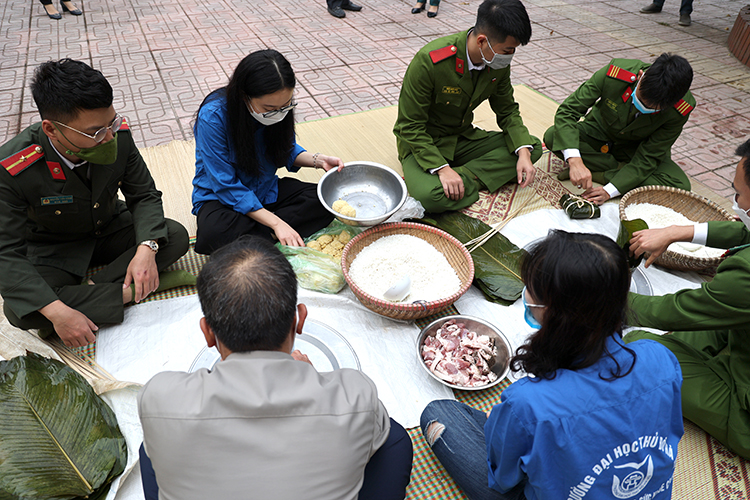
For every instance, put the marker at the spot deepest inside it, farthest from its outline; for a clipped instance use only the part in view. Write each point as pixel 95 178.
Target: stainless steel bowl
pixel 501 363
pixel 375 191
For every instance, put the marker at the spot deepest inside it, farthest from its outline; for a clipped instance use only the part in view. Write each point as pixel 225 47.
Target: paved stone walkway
pixel 163 57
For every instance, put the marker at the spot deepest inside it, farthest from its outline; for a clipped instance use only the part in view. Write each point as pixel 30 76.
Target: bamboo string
pixel 89 369
pixel 481 240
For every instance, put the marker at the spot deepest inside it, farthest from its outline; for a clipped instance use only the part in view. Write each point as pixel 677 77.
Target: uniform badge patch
pixel 627 94
pixel 610 104
pixel 451 90
pixel 57 200
pixel 56 170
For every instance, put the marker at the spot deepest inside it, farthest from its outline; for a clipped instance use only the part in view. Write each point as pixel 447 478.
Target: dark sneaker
pixel 352 7
pixel 684 20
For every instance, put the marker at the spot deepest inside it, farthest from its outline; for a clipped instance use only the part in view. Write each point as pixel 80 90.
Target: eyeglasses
pixel 100 134
pixel 283 109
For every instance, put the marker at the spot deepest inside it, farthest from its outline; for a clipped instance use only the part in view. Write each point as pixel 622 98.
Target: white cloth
pixel 164 335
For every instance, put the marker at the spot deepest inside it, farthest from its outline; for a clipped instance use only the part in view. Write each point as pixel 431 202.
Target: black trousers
pixel 102 302
pixel 332 4
pixel 297 205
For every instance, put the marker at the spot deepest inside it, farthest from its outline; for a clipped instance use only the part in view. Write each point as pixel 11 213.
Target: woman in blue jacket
pixel 595 418
pixel 244 132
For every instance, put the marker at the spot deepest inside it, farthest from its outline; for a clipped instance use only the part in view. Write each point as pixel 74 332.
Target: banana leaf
pixel 497 263
pixel 627 228
pixel 58 439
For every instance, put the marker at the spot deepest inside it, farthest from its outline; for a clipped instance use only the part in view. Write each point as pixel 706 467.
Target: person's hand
pixel 453 184
pixel 596 195
pixel 297 354
pixel 654 242
pixel 330 162
pixel 73 327
pixel 524 168
pixel 286 235
pixel 580 176
pixel 143 272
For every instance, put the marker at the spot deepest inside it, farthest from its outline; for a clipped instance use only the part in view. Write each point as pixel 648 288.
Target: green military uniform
pixel 434 125
pixel 711 327
pixel 631 150
pixel 55 223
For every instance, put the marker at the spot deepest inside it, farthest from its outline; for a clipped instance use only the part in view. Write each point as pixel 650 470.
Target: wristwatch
pixel 151 244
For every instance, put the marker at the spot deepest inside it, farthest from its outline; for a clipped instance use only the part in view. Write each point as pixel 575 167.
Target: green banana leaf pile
pixel 497 263
pixel 58 439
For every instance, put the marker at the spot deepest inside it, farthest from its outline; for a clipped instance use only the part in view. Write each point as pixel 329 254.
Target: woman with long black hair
pixel 244 132
pixel 595 418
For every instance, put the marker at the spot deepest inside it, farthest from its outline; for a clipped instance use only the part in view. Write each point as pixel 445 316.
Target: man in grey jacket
pixel 263 423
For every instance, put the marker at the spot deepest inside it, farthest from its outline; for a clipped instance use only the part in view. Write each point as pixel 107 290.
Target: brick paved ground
pixel 163 57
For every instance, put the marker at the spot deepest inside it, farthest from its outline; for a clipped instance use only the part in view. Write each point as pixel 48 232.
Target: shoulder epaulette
pixel 438 55
pixel 124 125
pixel 17 162
pixel 620 74
pixel 683 107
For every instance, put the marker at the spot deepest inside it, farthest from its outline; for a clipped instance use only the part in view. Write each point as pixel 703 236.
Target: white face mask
pixel 744 217
pixel 271 120
pixel 499 61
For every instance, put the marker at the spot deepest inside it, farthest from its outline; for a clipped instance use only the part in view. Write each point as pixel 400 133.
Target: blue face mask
pixel 530 319
pixel 639 105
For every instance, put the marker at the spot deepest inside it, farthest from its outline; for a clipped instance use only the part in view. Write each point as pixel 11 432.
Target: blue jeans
pixel 386 474
pixel 462 450
pixel 686 6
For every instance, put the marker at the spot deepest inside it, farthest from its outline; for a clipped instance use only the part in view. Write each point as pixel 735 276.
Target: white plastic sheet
pixel 164 335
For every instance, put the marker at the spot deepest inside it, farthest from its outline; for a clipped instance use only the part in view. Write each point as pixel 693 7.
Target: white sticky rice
pixel 383 263
pixel 657 216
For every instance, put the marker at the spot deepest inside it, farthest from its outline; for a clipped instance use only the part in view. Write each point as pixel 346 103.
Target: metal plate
pixel 325 347
pixel 639 283
pixel 500 363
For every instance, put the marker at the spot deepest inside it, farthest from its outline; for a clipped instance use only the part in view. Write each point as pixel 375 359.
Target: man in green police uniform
pixel 60 214
pixel 710 324
pixel 445 159
pixel 637 113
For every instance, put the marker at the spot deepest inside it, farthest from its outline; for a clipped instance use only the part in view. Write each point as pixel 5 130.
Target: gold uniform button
pixel 98 223
pixel 97 233
pixel 38 149
pixel 453 48
pixel 57 212
pixel 119 183
pixel 96 205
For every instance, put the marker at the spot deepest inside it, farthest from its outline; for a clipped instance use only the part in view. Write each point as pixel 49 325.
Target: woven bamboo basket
pixel 454 252
pixel 694 207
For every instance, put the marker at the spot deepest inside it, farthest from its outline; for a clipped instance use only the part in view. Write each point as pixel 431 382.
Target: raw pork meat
pixel 459 356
